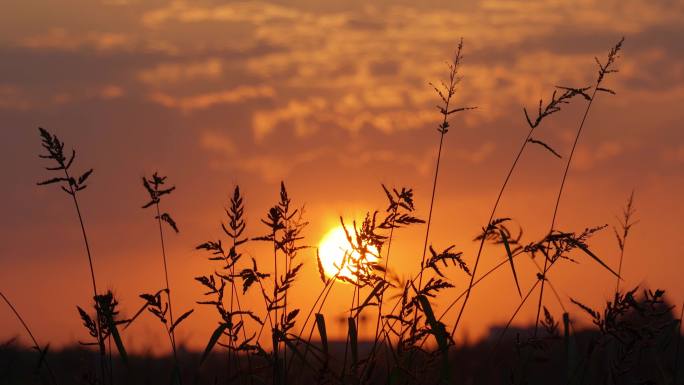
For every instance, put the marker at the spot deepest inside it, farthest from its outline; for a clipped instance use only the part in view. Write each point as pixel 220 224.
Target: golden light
pixel 332 250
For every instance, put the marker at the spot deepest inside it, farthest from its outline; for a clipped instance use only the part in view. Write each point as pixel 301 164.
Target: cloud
pixel 301 114
pixel 273 167
pixel 587 156
pixel 217 142
pixel 189 12
pixel 270 168
pixel 107 92
pixel 203 101
pixel 15 98
pixel 118 2
pixel 421 161
pixel 168 73
pixel 389 122
pixel 12 98
pixel 60 39
pixel 674 154
pixel 350 113
pixel 111 92
pixel 476 155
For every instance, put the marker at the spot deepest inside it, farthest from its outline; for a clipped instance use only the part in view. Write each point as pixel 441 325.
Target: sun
pixel 333 248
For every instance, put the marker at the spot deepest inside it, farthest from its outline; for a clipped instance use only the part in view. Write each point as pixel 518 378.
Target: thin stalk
pixel 268 316
pixel 622 240
pixel 172 333
pixel 268 313
pixel 679 342
pixel 487 229
pixel 276 343
pixel 230 341
pixel 235 294
pixel 558 199
pixel 432 202
pixel 244 332
pixel 604 70
pixel 382 295
pixel 30 334
pixel 617 284
pixel 443 129
pixel 85 236
pixel 287 270
pixel 100 340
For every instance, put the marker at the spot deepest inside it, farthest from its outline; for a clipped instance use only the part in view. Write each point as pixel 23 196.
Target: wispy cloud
pixel 269 167
pixel 170 73
pixel 190 12
pixel 301 114
pixel 674 154
pixel 61 39
pixel 203 101
pixel 13 98
pixel 588 156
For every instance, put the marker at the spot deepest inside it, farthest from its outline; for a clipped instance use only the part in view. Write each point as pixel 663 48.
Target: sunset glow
pixel 336 253
pixel 223 143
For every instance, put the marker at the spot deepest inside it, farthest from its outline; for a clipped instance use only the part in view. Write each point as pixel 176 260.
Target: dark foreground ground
pixel 583 357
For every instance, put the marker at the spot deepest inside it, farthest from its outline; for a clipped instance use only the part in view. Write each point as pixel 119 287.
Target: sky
pixel 334 100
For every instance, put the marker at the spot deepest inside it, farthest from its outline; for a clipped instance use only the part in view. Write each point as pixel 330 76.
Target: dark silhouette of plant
pixel 286 226
pixel 446 92
pixel 232 322
pixel 604 69
pixel 62 164
pixel 543 111
pixel 399 213
pixel 631 328
pixel 106 325
pixel 626 222
pixel 415 318
pixel 155 189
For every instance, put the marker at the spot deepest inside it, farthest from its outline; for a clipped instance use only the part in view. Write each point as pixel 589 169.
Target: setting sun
pixel 333 248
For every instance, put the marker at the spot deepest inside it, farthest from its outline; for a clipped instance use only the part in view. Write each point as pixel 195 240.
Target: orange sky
pixel 333 99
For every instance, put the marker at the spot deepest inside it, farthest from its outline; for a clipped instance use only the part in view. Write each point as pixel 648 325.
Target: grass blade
pixel 213 340
pixel 439 331
pixel 546 146
pixel 379 287
pixel 117 340
pixel 354 341
pixel 570 351
pixel 510 260
pixel 320 322
pixel 597 259
pixel 181 318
